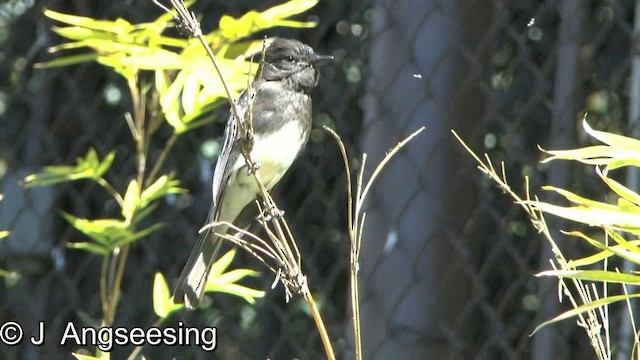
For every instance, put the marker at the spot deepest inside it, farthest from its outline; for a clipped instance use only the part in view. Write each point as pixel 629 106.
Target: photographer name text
pixel 105 338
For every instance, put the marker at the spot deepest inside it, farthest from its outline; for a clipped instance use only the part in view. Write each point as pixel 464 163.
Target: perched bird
pixel 280 107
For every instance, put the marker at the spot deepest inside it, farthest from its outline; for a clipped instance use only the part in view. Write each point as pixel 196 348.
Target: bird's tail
pixel 193 280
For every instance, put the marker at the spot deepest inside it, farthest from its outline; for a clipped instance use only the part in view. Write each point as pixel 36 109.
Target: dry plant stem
pixel 116 285
pixel 590 323
pixel 354 253
pixel 319 323
pixel 356 220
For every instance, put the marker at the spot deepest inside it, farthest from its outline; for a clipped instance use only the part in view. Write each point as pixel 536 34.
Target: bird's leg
pixel 253 167
pixel 270 212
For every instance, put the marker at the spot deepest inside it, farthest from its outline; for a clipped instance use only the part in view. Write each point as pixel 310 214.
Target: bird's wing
pixel 229 155
pixel 191 284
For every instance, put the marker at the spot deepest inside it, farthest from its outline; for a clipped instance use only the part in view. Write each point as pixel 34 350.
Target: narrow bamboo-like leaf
pixel 597 257
pixel 67 61
pixel 621 251
pixel 619 189
pixel 581 200
pixel 627 143
pixel 618 163
pixel 630 246
pixel 118 26
pixel 584 308
pixel 590 216
pixel 590 154
pixel 594 275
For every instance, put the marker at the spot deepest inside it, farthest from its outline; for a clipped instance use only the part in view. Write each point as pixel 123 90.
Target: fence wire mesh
pixel 447 262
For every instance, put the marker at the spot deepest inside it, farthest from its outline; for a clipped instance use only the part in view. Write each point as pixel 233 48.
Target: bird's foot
pixel 253 168
pixel 270 213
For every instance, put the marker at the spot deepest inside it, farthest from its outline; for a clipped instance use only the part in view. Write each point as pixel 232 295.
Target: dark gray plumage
pixel 281 121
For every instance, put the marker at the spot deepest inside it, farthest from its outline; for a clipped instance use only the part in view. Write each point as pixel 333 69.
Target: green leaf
pixel 630 145
pixel 4 234
pixel 253 21
pixel 118 26
pixel 594 275
pixel 220 281
pixel 133 236
pixel 624 250
pixel 67 61
pixel 584 308
pixel 162 302
pixel 109 233
pixel 591 216
pixel 577 199
pixel 598 257
pixel 84 357
pixel 89 247
pixel 88 167
pixel 131 201
pixel 163 186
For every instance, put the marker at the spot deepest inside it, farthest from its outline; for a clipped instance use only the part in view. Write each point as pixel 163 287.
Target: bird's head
pixel 293 62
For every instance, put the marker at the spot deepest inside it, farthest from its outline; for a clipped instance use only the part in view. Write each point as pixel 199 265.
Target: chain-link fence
pixel 447 262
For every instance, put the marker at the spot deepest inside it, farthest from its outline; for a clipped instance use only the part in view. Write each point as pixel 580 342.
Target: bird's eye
pixel 289 59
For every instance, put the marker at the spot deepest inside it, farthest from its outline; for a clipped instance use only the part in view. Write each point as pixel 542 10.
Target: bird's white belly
pixel 274 153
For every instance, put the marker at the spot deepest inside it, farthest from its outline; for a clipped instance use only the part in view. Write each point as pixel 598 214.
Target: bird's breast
pixel 275 151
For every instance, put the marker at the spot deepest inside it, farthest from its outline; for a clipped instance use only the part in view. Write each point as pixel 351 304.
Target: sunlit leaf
pixel 162 187
pixel 629 144
pixel 594 275
pixel 597 257
pixel 131 200
pixel 118 26
pixel 162 301
pixel 94 248
pixel 254 21
pixel 109 233
pixel 84 357
pixel 591 216
pixel 227 282
pixel 580 200
pixel 622 251
pixel 584 308
pixel 88 167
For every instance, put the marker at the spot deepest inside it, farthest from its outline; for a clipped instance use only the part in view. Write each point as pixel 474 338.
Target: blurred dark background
pixel 447 261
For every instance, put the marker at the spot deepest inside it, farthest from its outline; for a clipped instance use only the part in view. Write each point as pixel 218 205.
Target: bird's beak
pixel 317 59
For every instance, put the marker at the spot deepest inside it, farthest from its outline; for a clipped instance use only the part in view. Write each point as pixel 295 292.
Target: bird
pixel 280 104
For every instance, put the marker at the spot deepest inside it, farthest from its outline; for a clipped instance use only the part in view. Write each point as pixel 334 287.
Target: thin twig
pixel 162 158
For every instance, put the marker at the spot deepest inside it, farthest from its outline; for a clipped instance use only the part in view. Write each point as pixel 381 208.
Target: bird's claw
pixel 271 213
pixel 253 168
